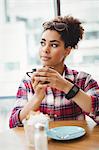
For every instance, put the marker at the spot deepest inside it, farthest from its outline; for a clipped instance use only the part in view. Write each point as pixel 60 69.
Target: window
pixel 19 37
pixel 88 50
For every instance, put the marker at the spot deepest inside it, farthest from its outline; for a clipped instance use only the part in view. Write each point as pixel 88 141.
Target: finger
pixel 43 79
pixel 35 83
pixel 42 86
pixel 34 74
pixel 46 69
pixel 45 73
pixel 39 84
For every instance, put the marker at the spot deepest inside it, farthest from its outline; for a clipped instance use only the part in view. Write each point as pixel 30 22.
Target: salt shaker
pixel 40 137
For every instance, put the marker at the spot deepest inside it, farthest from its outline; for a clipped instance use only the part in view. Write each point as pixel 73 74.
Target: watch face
pixel 74 90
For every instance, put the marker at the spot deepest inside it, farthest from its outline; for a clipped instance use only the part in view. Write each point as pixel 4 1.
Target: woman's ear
pixel 68 50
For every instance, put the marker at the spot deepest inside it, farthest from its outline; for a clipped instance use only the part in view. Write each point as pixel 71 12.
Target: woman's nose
pixel 46 49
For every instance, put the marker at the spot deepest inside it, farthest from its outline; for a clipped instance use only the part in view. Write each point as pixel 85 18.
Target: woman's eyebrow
pixel 54 41
pixel 51 40
pixel 43 40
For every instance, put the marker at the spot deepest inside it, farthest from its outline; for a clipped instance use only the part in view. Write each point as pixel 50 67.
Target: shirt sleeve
pixel 91 88
pixel 95 109
pixel 21 99
pixel 14 120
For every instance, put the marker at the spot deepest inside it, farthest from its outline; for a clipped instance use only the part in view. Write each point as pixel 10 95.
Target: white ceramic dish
pixel 66 132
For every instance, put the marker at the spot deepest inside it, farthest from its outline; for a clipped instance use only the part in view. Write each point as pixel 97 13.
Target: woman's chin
pixel 46 64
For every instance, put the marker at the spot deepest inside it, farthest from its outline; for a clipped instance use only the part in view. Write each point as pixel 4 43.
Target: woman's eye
pixel 54 45
pixel 42 43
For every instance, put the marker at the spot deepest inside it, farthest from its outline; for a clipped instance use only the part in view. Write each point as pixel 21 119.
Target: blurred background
pixel 20 30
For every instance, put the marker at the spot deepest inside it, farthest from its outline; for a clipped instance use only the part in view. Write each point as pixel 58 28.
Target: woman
pixel 55 89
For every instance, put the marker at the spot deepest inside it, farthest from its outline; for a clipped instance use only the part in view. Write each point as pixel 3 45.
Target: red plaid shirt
pixel 55 104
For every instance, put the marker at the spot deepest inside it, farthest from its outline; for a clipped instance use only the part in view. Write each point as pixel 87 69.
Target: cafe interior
pixel 20 31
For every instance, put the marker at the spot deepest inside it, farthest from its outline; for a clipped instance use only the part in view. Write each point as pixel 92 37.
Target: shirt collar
pixel 68 74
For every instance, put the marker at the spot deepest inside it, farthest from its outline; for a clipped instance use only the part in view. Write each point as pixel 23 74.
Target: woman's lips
pixel 45 58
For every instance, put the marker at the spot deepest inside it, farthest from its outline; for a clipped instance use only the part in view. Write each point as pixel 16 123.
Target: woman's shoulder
pixel 83 74
pixel 76 74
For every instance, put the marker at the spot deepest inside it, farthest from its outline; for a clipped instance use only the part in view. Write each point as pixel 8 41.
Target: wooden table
pixel 14 139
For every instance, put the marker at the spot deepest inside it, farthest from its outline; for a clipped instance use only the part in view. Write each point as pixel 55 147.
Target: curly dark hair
pixel 71 34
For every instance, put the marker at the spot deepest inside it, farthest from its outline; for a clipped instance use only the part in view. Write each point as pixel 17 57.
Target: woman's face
pixel 52 50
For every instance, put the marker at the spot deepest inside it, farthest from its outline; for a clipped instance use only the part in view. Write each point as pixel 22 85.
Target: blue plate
pixel 66 132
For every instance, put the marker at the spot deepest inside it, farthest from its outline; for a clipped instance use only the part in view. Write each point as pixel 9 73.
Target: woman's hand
pixel 38 87
pixel 48 77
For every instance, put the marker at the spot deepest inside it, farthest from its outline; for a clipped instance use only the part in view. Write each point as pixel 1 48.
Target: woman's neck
pixel 59 68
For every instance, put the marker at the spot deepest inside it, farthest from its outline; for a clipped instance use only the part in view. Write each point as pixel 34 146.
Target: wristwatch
pixel 73 91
